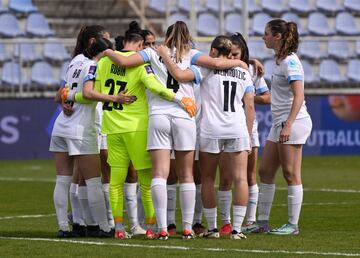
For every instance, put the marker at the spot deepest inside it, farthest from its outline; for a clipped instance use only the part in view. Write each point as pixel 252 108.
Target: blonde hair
pixel 222 44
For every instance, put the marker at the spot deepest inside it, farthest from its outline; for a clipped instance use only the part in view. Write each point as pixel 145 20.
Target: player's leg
pixel 171 196
pixel 198 228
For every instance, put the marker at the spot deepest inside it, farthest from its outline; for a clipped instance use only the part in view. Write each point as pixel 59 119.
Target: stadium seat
pixel 345 24
pixel 302 7
pixel 339 49
pixel 38 26
pixel 9 27
pixel 269 66
pixel 309 75
pixel 329 6
pixel 185 5
pixel 13 75
pixel 22 6
pixel 252 6
pixel 259 22
pixel 208 25
pixel 352 6
pixel 214 6
pixel 161 6
pixel 357 48
pixel 353 70
pixel 233 23
pixel 3 8
pixel 318 25
pixel 27 51
pixel 274 7
pixel 42 75
pixel 257 49
pixel 63 70
pixel 4 56
pixel 311 50
pixel 329 71
pixel 295 18
pixel 55 52
pixel 178 17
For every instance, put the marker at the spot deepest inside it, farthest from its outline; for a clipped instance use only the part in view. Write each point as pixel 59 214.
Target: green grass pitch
pixel 329 223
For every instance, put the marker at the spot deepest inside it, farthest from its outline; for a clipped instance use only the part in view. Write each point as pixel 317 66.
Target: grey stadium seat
pixel 178 17
pixel 214 6
pixel 161 6
pixel 303 7
pixel 22 6
pixel 252 6
pixel 329 6
pixel 311 50
pixel 309 75
pixel 339 49
pixel 9 27
pixel 351 5
pixel 353 70
pixel 42 74
pixel 329 71
pixel 4 56
pixel 295 18
pixel 27 51
pixel 38 26
pixel 274 7
pixel 259 22
pixel 257 49
pixel 13 75
pixel 233 23
pixel 55 52
pixel 345 24
pixel 318 25
pixel 185 5
pixel 208 24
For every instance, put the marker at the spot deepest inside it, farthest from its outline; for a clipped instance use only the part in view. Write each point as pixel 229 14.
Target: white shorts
pixel 102 142
pixel 226 145
pixel 73 146
pixel 300 131
pixel 255 139
pixel 171 133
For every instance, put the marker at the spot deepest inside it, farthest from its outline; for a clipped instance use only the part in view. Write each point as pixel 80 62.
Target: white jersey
pixel 98 117
pixel 222 112
pixel 289 70
pixel 80 125
pixel 158 105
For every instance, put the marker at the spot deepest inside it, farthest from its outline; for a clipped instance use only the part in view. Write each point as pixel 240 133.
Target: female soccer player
pixel 291 126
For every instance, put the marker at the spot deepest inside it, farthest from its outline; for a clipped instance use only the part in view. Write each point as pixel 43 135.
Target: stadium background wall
pixel 26 124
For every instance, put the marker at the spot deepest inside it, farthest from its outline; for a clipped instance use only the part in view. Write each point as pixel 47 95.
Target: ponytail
pixel 85 34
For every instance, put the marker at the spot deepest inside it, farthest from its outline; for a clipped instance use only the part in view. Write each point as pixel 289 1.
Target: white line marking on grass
pixel 27 216
pixel 321 203
pixel 185 248
pixel 27 179
pixel 325 190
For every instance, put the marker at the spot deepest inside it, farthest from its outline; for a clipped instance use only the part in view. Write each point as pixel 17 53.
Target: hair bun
pixel 134 25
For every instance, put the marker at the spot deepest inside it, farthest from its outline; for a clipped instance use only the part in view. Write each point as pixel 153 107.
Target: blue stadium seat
pixel 63 70
pixel 274 7
pixel 252 6
pixel 13 75
pixel 346 24
pixel 329 71
pixel 208 25
pixel 27 51
pixel 309 75
pixel 214 6
pixel 161 6
pixel 311 50
pixel 295 18
pixel 352 6
pixel 339 49
pixel 269 66
pixel 259 22
pixel 55 52
pixel 233 23
pixel 3 8
pixel 9 27
pixel 329 6
pixel 174 17
pixel 42 75
pixel 353 70
pixel 4 56
pixel 38 26
pixel 22 6
pixel 303 7
pixel 185 5
pixel 318 25
pixel 257 49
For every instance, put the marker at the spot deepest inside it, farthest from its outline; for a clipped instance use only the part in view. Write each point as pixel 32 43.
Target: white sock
pixel 159 198
pixel 97 202
pixel 61 201
pixel 238 217
pixel 75 205
pixel 295 198
pixel 84 204
pixel 266 197
pixel 198 205
pixel 225 199
pixel 211 217
pixel 187 204
pixel 252 204
pixel 105 189
pixel 140 208
pixel 171 203
pixel 131 203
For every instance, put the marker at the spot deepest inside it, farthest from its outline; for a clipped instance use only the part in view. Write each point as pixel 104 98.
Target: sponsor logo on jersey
pixel 148 69
pixel 92 69
pixel 292 63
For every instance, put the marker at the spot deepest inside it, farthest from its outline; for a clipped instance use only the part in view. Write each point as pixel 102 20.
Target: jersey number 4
pixel 111 83
pixel 227 93
pixel 171 83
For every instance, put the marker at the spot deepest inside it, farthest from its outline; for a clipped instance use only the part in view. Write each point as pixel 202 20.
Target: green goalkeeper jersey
pixel 111 79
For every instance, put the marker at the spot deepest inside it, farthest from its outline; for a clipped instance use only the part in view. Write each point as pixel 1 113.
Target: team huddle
pixel 140 120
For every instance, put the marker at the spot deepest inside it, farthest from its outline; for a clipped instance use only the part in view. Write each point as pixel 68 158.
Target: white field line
pixel 184 248
pixel 27 216
pixel 26 179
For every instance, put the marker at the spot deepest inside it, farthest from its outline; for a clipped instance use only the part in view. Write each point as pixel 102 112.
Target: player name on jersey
pixel 231 72
pixel 117 70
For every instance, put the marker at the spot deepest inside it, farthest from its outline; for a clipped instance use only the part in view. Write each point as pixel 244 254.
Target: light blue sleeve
pixel 145 55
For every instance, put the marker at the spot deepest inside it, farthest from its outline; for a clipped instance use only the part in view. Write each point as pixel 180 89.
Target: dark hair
pixel 222 44
pixel 97 47
pixel 85 34
pixel 146 33
pixel 119 43
pixel 134 33
pixel 289 37
pixel 178 36
pixel 238 40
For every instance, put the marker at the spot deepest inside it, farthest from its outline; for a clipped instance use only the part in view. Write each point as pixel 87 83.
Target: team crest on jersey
pixel 148 69
pixel 92 69
pixel 292 63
